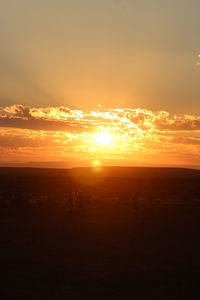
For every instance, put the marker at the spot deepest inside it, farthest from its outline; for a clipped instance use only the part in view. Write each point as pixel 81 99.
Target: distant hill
pixel 115 172
pixel 137 172
pixel 34 164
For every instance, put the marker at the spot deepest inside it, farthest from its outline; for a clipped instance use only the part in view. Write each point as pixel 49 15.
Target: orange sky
pixel 139 59
pixel 109 136
pixel 120 53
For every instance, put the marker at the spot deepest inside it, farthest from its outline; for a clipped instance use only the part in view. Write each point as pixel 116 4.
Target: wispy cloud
pixel 54 133
pixel 65 119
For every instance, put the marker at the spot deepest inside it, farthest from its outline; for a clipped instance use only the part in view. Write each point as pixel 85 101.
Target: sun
pixel 103 138
pixel 96 163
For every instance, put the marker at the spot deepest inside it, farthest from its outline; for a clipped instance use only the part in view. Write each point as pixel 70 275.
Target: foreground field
pixel 83 236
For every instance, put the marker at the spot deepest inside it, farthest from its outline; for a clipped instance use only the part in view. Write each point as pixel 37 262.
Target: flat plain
pixel 122 233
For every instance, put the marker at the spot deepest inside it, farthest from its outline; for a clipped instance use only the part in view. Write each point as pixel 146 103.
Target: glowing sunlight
pixel 104 138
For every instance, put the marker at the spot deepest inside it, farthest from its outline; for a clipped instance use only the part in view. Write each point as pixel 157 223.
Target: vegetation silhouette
pixel 125 233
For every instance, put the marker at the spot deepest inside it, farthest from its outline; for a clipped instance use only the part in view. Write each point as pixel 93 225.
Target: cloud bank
pixel 61 133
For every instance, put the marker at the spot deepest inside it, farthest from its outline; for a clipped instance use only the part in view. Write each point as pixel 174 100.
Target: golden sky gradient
pixel 119 53
pixel 139 59
pixel 109 136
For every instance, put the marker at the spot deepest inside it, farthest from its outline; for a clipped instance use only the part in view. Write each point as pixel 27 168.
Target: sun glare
pixel 96 163
pixel 103 138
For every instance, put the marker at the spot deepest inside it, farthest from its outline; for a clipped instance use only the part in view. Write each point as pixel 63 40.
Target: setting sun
pixel 103 138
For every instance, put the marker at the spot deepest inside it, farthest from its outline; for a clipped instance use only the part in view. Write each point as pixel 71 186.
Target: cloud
pixel 50 119
pixel 65 119
pixel 62 133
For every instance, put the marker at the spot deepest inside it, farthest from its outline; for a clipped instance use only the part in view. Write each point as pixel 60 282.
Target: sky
pixel 139 59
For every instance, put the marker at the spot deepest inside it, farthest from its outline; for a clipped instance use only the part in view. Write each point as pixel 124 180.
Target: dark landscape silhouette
pixel 120 233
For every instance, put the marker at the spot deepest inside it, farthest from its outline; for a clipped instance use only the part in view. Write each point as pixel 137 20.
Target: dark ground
pixel 129 235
